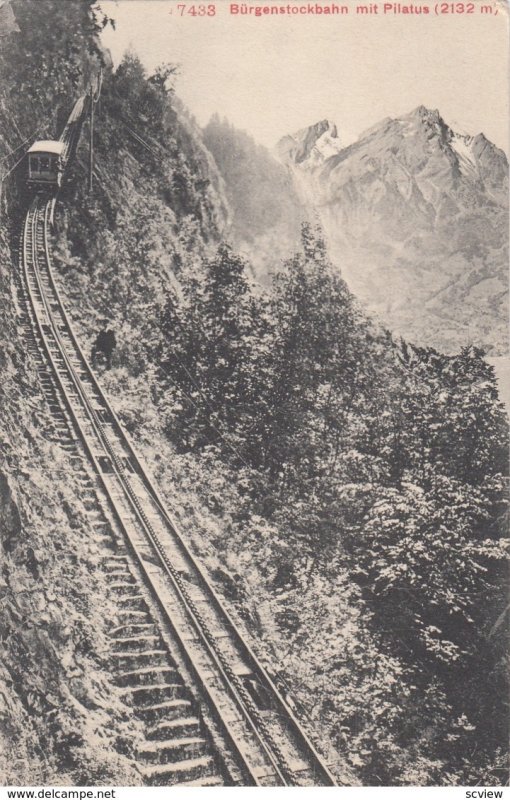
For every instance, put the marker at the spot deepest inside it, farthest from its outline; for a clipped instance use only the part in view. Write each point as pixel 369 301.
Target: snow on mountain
pixel 463 147
pixel 311 146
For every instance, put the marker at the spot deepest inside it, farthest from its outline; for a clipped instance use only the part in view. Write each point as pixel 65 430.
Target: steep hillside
pixel 157 209
pixel 416 217
pixel 266 210
pixel 62 719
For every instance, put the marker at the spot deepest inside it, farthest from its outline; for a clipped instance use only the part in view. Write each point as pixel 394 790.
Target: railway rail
pixel 212 712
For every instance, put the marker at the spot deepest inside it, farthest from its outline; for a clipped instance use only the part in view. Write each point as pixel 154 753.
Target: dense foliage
pixel 367 454
pixel 47 62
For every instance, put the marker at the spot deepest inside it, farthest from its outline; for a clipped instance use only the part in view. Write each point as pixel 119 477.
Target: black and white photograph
pixel 254 395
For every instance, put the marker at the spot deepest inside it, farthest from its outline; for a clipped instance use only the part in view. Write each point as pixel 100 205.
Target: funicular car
pixel 45 163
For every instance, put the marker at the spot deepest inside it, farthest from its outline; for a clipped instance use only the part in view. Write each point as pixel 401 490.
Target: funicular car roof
pixel 47 146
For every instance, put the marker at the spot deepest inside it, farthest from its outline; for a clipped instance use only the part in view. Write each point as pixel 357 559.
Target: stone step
pixel 172 750
pixel 136 601
pixel 89 503
pixel 169 709
pixel 207 780
pixel 105 541
pixel 144 677
pixel 135 644
pixel 144 696
pixel 134 614
pixel 125 588
pixel 128 660
pixel 131 629
pixel 103 529
pixel 172 774
pixel 180 726
pixel 117 574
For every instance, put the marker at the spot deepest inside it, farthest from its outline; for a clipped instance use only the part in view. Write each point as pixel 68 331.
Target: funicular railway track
pixel 253 734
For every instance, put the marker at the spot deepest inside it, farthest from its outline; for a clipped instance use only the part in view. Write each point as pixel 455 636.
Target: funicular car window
pixel 45 164
pixel 34 164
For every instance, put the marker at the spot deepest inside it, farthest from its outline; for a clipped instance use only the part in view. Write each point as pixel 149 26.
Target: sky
pixel 273 75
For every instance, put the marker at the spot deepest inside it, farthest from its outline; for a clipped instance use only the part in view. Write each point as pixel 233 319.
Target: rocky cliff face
pixel 416 215
pixel 266 209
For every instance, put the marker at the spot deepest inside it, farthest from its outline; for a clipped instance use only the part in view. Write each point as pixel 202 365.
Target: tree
pixel 164 77
pixel 214 342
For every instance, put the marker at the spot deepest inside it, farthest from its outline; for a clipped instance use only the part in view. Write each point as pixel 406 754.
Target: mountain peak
pixel 318 142
pixel 426 113
pixel 329 126
pixel 429 119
